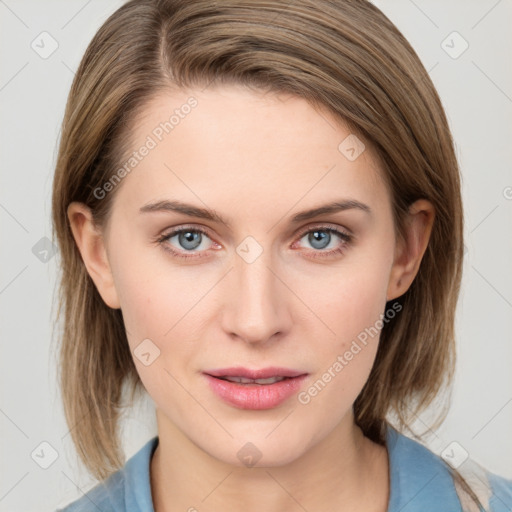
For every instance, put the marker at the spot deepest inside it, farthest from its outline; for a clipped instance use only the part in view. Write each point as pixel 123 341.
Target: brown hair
pixel 343 56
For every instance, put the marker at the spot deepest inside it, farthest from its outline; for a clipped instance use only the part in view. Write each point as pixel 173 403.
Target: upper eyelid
pixel 318 225
pixel 327 226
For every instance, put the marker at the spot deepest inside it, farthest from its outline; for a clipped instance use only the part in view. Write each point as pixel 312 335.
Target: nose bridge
pixel 257 310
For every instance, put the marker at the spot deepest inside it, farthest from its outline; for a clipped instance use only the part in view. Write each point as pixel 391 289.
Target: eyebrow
pixel 212 215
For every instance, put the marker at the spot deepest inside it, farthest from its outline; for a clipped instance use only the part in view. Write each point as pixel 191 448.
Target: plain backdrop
pixel 465 46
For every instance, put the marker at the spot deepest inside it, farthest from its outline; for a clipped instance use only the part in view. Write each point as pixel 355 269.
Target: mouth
pixel 261 382
pixel 255 389
pixel 256 374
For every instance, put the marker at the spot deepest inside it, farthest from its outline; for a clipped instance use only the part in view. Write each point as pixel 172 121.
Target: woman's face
pixel 270 287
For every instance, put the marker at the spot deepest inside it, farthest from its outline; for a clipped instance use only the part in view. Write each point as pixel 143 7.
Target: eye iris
pixel 324 235
pixel 188 239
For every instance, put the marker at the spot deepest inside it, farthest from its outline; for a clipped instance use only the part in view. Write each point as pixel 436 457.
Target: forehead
pixel 245 150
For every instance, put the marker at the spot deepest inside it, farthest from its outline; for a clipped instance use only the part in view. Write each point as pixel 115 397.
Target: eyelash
pixel 345 237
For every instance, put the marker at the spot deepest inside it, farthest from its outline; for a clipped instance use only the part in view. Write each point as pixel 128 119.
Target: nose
pixel 257 309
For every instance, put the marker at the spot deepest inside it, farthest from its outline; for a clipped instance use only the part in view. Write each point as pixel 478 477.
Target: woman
pixel 259 213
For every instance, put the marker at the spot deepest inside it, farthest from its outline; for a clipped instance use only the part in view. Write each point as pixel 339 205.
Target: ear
pixel 90 242
pixel 409 252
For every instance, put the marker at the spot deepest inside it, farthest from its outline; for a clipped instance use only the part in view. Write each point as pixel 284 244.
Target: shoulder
pixel 501 499
pixel 419 478
pixel 107 496
pixel 494 491
pixel 128 489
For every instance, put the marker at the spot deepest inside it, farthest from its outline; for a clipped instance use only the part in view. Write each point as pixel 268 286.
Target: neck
pixel 344 471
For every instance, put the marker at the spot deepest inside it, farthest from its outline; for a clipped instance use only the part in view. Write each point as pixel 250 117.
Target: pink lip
pixel 262 373
pixel 255 396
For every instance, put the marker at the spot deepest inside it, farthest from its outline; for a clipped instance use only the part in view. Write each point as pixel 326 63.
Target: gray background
pixel 476 90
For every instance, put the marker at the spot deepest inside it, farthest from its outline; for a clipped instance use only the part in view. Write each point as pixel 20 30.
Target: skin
pixel 256 159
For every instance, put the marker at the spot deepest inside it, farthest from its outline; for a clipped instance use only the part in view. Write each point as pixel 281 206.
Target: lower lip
pixel 255 396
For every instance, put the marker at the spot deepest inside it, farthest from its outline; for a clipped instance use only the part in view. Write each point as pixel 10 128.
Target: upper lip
pixel 261 373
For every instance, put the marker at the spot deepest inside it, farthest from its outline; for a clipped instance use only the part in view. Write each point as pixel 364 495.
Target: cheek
pixel 159 308
pixel 348 301
pixel 150 295
pixel 353 307
pixel 146 310
pixel 141 305
pixel 150 311
pixel 343 365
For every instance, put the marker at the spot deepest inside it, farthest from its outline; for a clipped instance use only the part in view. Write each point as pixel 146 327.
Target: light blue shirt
pixel 420 482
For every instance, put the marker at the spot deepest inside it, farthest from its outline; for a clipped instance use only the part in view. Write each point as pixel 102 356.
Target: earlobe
pixel 90 243
pixel 410 251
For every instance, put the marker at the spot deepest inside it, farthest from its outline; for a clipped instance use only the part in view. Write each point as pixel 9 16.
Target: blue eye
pixel 320 237
pixel 189 241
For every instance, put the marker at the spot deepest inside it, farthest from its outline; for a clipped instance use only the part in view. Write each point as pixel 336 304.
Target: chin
pixel 258 451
